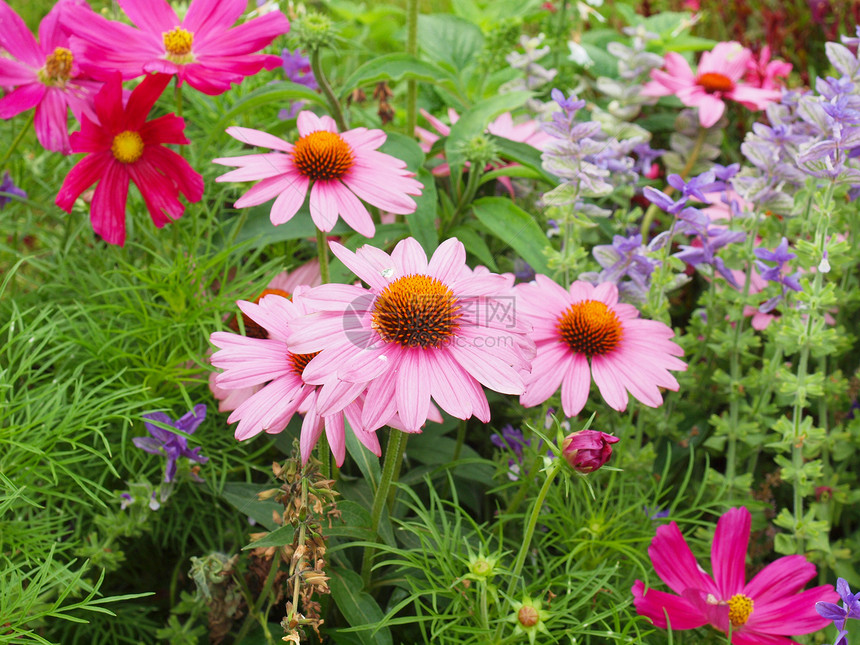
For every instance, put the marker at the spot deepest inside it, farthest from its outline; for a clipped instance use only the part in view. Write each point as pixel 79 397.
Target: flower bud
pixel 587 450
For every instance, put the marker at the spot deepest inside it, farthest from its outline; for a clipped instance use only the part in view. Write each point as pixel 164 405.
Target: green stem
pixel 254 610
pixel 685 173
pixel 18 139
pixel 177 96
pixel 530 531
pixel 322 81
pixel 322 254
pixel 393 455
pixel 734 360
pixel 411 49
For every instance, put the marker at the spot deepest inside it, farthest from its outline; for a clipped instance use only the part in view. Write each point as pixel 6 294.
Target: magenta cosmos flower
pixel 587 323
pixel 282 391
pixel 423 330
pixel 203 48
pixel 125 147
pixel 344 168
pixel 717 78
pixel 44 75
pixel 763 611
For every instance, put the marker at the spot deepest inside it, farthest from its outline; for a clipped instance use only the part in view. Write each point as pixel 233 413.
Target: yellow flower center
pixel 178 43
pixel 590 327
pixel 416 311
pixel 713 82
pixel 300 361
pixel 127 147
pixel 58 67
pixel 322 155
pixel 740 608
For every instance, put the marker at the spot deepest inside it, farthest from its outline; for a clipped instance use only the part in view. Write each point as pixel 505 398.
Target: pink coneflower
pixel 283 284
pixel 717 78
pixel 202 48
pixel 126 147
pixel 587 323
pixel 45 75
pixel 345 168
pixel 763 611
pixel 423 330
pixel 252 362
pixel 762 71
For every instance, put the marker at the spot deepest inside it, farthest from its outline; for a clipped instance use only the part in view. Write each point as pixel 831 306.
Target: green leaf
pixel 396 67
pixel 280 92
pixel 385 236
pixel 357 606
pixel 279 537
pixel 404 148
pixel 525 155
pixel 244 497
pixel 367 462
pixel 449 39
pixel 422 223
pixel 514 227
pixel 474 121
pixel 259 227
pixel 355 522
pixel 475 245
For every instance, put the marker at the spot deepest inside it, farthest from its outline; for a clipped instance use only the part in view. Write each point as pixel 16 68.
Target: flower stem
pixel 411 49
pixel 322 445
pixel 685 173
pixel 322 81
pixel 531 524
pixel 322 254
pixel 177 96
pixel 18 138
pixel 393 456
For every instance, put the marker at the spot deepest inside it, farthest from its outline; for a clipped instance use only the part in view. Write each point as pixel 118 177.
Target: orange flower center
pixel 300 361
pixel 713 82
pixel 178 43
pixel 590 327
pixel 252 329
pixel 323 155
pixel 740 608
pixel 58 67
pixel 528 616
pixel 127 147
pixel 416 311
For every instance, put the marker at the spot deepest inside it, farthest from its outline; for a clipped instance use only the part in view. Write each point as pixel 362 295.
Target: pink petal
pixel 409 257
pixel 792 614
pixel 245 38
pixel 51 122
pixel 336 435
pixel 368 263
pixel 308 122
pixel 21 99
pixel 85 173
pixel 658 605
pixel 547 373
pixel 484 366
pixel 107 212
pixel 729 551
pixel 780 578
pixel 413 390
pixel 609 383
pixel 675 563
pixel 267 189
pixel 259 138
pixel 206 16
pixel 323 204
pixel 16 37
pixel 354 213
pixel 380 404
pixel 288 203
pixel 575 386
pixel 154 16
pixel 448 261
pixel 443 388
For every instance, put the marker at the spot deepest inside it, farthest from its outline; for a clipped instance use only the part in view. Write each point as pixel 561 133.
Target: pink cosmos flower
pixel 763 611
pixel 717 78
pixel 283 284
pixel 253 362
pixel 125 147
pixel 45 75
pixel 423 330
pixel 202 48
pixel 345 168
pixel 587 323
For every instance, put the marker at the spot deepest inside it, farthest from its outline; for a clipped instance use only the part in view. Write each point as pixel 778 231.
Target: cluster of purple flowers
pixel 8 187
pixel 169 444
pixel 297 68
pixel 588 161
pixel 627 263
pixel 777 274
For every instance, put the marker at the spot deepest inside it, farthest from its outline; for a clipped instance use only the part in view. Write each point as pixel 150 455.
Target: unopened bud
pixel 587 450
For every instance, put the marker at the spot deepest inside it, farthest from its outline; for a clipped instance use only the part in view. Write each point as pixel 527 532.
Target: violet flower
pixel 778 273
pixel 168 443
pixel 297 68
pixel 627 258
pixel 711 242
pixel 850 609
pixel 9 187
